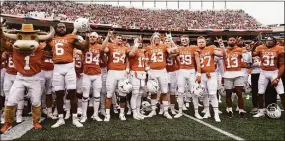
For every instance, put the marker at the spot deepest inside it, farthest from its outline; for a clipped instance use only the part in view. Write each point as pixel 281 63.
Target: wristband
pixel 198 74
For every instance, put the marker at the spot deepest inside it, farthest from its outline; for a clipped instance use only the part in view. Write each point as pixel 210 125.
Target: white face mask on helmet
pixel 124 86
pixel 152 86
pixel 273 111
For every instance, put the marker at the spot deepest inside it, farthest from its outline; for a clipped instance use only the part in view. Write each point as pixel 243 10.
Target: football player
pixel 187 60
pixel 64 76
pixel 272 67
pixel 117 70
pixel 233 76
pixel 172 70
pixel 92 76
pixel 138 77
pixel 47 72
pixel 209 78
pixel 156 55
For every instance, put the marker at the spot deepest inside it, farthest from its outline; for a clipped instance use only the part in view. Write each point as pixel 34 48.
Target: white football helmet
pixel 247 88
pixel 124 86
pixel 146 106
pixel 198 89
pixel 81 24
pixel 273 111
pixel 152 86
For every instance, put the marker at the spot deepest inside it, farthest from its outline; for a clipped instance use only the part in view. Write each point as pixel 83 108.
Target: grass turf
pixel 160 128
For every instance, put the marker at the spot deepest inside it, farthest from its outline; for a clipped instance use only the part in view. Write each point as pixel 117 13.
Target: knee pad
pixel 122 99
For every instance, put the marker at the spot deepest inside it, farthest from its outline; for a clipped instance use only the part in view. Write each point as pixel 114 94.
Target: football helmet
pixel 273 111
pixel 124 86
pixel 81 24
pixel 247 88
pixel 152 86
pixel 146 106
pixel 198 89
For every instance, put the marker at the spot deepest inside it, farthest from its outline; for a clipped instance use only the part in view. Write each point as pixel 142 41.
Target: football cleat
pixel 19 119
pixel 173 112
pixel 97 118
pixel 83 119
pixel 207 115
pixel 167 115
pixel 49 115
pixel 107 118
pixel 76 123
pixel 242 114
pixel 5 128
pixel 217 118
pixel 178 115
pixel 197 115
pixel 122 117
pixel 67 115
pixel 37 125
pixel 115 110
pixel 151 114
pixel 59 122
pixel 260 113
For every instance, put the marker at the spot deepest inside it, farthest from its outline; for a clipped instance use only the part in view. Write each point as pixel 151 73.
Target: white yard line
pixel 19 130
pixel 214 128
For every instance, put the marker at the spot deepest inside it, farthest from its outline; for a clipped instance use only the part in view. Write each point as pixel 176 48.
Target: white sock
pixel 153 104
pixel 195 103
pixel 122 110
pixel 134 102
pixel 102 104
pixel 214 103
pixel 84 106
pixel 139 101
pixel 20 107
pixel 107 111
pixel 180 102
pixel 165 106
pixel 96 105
pixel 206 103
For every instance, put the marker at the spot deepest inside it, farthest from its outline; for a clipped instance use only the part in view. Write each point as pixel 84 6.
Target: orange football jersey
pixel 187 57
pixel 137 61
pixel 91 60
pixel 171 64
pixel 62 48
pixel 28 65
pixel 47 63
pixel 207 59
pixel 233 59
pixel 78 63
pixel 10 65
pixel 117 57
pixel 269 57
pixel 156 56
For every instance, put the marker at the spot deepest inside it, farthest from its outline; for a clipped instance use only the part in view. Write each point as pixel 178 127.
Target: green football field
pixel 160 128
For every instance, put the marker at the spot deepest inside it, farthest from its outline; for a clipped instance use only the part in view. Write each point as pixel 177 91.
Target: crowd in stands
pixel 126 17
